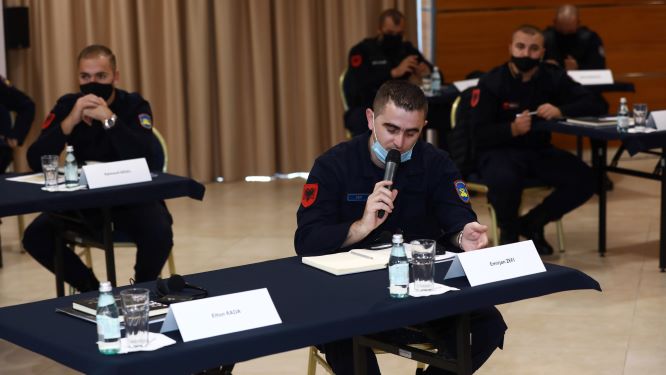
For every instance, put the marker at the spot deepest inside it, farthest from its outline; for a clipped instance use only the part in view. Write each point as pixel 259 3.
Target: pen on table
pixel 380 246
pixel 362 255
pixel 530 113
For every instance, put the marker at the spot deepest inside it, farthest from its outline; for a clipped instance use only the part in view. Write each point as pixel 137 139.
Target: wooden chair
pixel 120 240
pixel 316 358
pixel 477 186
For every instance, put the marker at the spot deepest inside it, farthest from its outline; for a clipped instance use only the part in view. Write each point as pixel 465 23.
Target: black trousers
pixel 487 327
pixel 147 224
pixel 508 171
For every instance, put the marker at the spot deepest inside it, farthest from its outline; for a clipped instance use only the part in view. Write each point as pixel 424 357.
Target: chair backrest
pixel 461 138
pixel 158 152
pixel 341 84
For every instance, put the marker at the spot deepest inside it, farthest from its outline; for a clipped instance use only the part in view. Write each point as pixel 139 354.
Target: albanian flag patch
pixel 309 194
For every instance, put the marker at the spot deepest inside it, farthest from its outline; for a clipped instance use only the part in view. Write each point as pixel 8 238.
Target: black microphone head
pixel 176 283
pixel 393 156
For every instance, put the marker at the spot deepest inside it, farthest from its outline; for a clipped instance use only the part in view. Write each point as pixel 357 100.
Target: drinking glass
pixel 640 115
pixel 50 169
pixel 136 302
pixel 423 264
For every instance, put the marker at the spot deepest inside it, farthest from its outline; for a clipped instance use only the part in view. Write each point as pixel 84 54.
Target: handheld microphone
pixel 391 168
pixel 176 284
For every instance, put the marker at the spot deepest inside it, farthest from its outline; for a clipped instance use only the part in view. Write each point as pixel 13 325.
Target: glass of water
pixel 640 115
pixel 136 302
pixel 423 264
pixel 50 169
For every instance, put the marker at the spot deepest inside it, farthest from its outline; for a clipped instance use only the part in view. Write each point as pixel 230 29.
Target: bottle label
pixel 399 274
pixel 108 327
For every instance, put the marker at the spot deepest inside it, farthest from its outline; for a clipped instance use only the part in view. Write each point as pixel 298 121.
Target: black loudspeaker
pixel 17 28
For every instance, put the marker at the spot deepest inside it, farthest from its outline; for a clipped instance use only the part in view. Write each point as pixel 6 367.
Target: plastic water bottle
pixel 71 169
pixel 436 78
pixel 623 116
pixel 398 268
pixel 108 323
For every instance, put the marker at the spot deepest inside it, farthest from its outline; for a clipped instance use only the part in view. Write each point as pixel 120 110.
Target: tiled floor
pixel 619 331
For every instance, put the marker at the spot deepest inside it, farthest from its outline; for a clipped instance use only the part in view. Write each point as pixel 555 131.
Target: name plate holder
pixel 115 173
pixel 214 316
pixel 657 120
pixel 496 263
pixel 592 76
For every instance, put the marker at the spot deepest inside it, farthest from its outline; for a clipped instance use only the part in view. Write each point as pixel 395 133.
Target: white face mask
pixel 381 152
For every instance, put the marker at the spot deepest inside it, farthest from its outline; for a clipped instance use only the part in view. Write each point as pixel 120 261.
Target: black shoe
pixel 539 240
pixel 506 237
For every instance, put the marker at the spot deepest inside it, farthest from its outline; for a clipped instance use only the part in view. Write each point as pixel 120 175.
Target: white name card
pixel 115 173
pixel 497 263
pixel 592 77
pixel 465 84
pixel 208 317
pixel 657 120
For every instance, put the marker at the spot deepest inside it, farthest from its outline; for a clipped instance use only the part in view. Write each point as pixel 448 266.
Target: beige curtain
pixel 237 87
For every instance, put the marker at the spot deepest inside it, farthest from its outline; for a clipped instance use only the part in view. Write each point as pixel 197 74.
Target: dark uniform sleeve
pixel 51 140
pixel 15 100
pixel 132 135
pixel 363 77
pixel 319 229
pixel 485 105
pixel 574 99
pixel 452 200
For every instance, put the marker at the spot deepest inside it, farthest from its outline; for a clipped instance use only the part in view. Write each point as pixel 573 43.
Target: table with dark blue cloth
pixel 633 143
pixel 314 306
pixel 18 198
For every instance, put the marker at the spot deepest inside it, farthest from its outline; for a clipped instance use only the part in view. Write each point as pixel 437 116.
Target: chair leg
pixel 172 264
pixel 312 361
pixel 493 224
pixel 21 229
pixel 560 235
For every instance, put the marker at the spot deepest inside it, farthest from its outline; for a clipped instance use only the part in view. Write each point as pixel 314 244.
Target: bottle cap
pixel 69 148
pixel 105 286
pixel 397 238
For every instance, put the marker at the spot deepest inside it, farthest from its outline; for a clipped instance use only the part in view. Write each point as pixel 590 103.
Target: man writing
pixel 345 191
pixel 376 60
pixel 510 151
pixel 103 123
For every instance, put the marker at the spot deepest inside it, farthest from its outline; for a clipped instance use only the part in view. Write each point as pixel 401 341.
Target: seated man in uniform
pixel 572 46
pixel 510 151
pixel 11 136
pixel 345 191
pixel 376 60
pixel 103 123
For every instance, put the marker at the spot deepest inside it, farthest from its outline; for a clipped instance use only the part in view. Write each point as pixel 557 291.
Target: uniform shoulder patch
pixel 356 60
pixel 476 93
pixel 309 194
pixel 49 119
pixel 461 190
pixel 146 121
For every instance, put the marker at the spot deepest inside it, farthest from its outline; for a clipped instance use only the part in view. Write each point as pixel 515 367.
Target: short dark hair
pixel 527 29
pixel 95 50
pixel 403 94
pixel 395 15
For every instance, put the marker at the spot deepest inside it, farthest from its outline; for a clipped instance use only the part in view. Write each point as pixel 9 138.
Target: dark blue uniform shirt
pixel 130 138
pixel 428 204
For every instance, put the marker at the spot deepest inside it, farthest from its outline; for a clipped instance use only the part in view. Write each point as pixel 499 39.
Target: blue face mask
pixel 381 152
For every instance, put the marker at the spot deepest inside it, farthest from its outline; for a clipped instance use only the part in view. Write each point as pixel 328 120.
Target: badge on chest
pixel 357 197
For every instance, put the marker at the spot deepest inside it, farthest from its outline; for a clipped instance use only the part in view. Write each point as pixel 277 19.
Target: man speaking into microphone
pixel 351 201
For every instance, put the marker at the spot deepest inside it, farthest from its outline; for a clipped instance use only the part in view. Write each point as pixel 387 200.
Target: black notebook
pixel 89 306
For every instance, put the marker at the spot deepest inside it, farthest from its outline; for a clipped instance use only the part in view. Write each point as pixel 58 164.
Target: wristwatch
pixel 110 122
